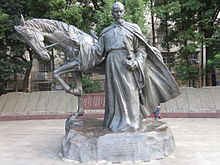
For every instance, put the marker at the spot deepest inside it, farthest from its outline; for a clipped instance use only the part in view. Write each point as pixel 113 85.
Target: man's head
pixel 118 11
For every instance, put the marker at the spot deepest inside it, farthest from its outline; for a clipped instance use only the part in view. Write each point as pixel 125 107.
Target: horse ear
pixel 22 22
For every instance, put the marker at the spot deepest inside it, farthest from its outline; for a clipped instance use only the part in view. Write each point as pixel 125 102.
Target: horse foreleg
pixel 62 82
pixel 78 80
pixel 72 68
pixel 80 111
pixel 77 76
pixel 69 67
pixel 66 87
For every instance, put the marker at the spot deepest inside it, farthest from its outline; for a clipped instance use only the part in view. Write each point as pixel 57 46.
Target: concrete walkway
pixel 37 142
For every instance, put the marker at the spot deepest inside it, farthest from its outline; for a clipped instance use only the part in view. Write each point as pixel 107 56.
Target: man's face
pixel 118 13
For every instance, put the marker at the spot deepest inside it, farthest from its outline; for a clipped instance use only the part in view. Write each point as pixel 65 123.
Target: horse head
pixel 34 38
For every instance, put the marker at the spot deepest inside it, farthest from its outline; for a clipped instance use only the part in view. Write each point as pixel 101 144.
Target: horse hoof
pixel 75 92
pixel 80 112
pixel 72 117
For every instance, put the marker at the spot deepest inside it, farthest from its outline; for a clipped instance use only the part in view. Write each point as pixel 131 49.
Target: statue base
pixel 86 141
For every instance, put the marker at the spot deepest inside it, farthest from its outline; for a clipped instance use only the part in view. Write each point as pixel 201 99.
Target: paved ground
pixel 37 142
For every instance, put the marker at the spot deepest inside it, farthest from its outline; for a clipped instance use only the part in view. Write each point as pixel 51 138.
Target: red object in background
pixel 94 101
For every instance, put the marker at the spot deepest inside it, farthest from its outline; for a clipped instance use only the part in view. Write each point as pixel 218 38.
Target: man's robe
pixel 157 83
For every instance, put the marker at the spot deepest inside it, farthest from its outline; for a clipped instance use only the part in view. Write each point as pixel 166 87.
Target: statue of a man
pixel 136 78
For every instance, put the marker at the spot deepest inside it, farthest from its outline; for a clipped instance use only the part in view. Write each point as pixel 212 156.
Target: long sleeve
pixel 98 48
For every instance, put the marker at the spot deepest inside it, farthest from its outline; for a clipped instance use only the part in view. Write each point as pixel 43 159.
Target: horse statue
pixel 74 43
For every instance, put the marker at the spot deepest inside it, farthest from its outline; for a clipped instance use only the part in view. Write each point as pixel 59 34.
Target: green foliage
pixel 184 71
pixel 59 10
pixel 103 16
pixel 215 62
pixel 11 46
pixel 136 14
pixel 90 86
pixel 164 9
pixel 3 25
pixel 5 71
pixel 189 24
pixel 78 13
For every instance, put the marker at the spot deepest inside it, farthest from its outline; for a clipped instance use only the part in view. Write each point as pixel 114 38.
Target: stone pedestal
pixel 87 142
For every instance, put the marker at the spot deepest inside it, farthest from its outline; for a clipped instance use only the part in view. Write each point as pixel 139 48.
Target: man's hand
pixel 130 64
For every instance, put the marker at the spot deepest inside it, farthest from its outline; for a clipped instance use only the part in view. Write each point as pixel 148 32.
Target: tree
pixel 12 45
pixel 12 48
pixel 5 67
pixel 3 25
pixel 192 24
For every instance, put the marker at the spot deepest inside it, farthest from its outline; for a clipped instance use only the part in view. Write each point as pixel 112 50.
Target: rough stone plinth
pixel 87 142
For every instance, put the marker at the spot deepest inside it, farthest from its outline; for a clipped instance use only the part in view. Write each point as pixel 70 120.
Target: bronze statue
pixel 137 80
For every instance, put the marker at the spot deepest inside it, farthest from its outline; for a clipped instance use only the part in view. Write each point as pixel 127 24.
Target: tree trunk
pixel 202 66
pixel 27 73
pixel 15 81
pixel 26 79
pixel 152 22
pixel 213 77
pixel 167 44
pixel 210 75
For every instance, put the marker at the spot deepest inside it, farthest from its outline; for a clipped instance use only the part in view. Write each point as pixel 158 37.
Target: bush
pixel 90 86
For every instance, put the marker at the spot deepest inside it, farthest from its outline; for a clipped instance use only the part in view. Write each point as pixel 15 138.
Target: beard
pixel 119 19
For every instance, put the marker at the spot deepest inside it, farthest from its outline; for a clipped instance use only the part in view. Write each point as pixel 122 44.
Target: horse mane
pixel 50 26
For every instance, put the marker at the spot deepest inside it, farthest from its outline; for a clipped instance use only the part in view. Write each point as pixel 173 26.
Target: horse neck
pixel 53 31
pixel 60 44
